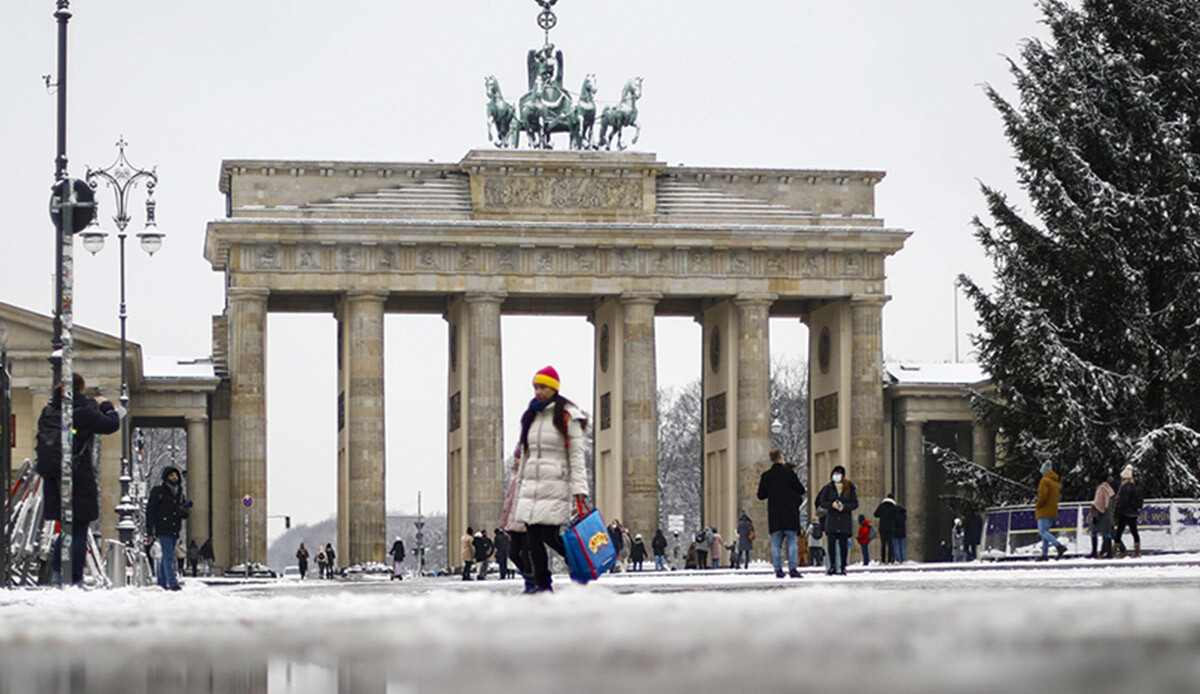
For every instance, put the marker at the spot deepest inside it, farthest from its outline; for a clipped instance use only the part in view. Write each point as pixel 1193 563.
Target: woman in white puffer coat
pixel 551 477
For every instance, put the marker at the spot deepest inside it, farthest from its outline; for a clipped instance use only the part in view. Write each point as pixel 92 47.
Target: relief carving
pixel 427 259
pixel 585 260
pixel 853 265
pixel 307 258
pixel 562 193
pixel 387 258
pixel 467 260
pixel 266 257
pixel 506 260
pixel 777 263
pixel 623 259
pixel 814 265
pixel 545 262
pixel 700 261
pixel 662 261
pixel 739 262
pixel 349 258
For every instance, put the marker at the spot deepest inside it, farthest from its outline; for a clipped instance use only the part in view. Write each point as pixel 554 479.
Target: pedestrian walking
pixel 501 542
pixel 1101 516
pixel 802 549
pixel 330 560
pixel 92 417
pixel 973 534
pixel 899 542
pixel 206 556
pixel 302 560
pixel 816 553
pixel 717 548
pixel 321 561
pixel 886 513
pixel 467 545
pixel 1046 511
pixel 1128 508
pixel 551 474
pixel 397 559
pixel 703 544
pixel 745 539
pixel 865 534
pixel 616 535
pixel 165 512
pixel 193 556
pixel 837 500
pixel 958 542
pixel 783 492
pixel 483 552
pixel 637 552
pixel 659 545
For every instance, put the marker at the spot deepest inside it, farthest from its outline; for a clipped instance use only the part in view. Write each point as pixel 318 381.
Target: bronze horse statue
pixel 585 113
pixel 500 114
pixel 616 118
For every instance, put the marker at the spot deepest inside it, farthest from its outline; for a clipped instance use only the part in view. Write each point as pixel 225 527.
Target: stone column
pixel 753 415
pixel 982 448
pixel 199 527
pixel 363 316
pixel 639 413
pixel 248 420
pixel 914 488
pixel 484 410
pixel 866 467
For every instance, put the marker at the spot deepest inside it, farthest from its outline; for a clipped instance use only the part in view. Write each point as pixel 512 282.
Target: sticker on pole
pixel 247 501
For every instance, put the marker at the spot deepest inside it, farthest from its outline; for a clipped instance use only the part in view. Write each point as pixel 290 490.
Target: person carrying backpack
pixel 92 417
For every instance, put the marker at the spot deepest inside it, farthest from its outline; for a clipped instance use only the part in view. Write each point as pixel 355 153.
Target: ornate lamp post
pixel 122 177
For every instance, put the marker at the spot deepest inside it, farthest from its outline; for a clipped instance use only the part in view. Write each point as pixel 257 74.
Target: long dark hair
pixel 559 403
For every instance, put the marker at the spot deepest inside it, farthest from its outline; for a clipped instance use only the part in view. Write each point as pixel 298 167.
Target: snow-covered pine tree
pixel 1092 330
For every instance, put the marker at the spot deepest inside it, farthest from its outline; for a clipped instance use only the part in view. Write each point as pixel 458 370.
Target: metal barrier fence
pixel 1165 525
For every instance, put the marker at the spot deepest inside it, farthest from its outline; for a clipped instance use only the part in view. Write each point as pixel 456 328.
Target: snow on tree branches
pixel 1092 331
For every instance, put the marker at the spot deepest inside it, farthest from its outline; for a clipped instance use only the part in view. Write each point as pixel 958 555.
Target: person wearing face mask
pixel 838 501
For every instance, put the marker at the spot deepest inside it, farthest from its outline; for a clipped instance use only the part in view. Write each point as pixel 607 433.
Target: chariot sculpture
pixel 547 107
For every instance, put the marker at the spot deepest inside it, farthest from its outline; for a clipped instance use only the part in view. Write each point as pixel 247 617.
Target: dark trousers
pixel 502 560
pixel 1122 523
pixel 303 569
pixel 887 553
pixel 701 559
pixel 466 575
pixel 537 561
pixel 79 538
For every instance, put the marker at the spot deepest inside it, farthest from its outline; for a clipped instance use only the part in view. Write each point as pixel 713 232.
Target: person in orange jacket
pixel 865 534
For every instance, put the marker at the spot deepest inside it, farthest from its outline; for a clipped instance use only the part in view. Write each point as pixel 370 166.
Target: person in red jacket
pixel 865 533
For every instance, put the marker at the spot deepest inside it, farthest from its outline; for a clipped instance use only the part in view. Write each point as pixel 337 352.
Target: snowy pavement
pixel 1072 626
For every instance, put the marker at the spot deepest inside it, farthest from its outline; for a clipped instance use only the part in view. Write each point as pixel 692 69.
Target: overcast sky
pixel 878 85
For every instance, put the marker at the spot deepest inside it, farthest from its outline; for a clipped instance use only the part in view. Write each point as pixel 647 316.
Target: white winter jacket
pixel 550 474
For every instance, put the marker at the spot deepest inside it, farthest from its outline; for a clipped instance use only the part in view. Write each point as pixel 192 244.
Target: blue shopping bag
pixel 589 550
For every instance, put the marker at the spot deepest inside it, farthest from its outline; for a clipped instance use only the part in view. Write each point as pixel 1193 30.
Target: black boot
pixel 1106 550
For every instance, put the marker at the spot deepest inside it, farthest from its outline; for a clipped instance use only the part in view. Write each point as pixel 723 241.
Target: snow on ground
pixel 1074 626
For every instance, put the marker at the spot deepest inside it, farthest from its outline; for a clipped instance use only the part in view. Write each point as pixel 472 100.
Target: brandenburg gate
pixel 617 237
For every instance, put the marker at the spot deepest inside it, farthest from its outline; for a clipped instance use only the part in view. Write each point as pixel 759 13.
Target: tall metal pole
pixel 65 370
pixel 5 452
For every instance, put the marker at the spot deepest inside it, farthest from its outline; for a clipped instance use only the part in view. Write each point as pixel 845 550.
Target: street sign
pixel 247 501
pixel 675 523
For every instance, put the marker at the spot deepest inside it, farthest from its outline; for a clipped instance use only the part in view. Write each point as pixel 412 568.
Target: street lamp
pixel 122 177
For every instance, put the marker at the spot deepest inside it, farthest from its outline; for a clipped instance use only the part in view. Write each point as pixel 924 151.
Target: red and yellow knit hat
pixel 547 377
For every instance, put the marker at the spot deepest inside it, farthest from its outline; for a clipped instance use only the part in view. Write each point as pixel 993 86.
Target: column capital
pixel 485 297
pixel 196 418
pixel 379 295
pixel 651 298
pixel 879 300
pixel 247 293
pixel 755 299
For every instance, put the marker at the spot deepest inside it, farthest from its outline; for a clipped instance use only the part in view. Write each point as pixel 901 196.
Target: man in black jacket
pixel 783 492
pixel 500 540
pixel 164 515
pixel 886 513
pixel 90 419
pixel 483 550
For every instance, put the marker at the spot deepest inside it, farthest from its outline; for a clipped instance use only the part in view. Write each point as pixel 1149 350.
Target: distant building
pixel 929 402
